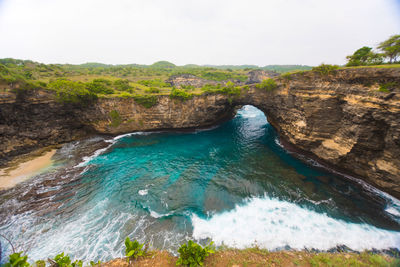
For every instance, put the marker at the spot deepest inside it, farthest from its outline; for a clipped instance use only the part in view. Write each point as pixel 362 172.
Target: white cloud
pixel 193 31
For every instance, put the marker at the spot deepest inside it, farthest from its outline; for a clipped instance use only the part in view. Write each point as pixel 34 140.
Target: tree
pixel 364 56
pixel 391 48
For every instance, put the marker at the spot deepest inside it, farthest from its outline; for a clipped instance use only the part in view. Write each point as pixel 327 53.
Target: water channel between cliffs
pixel 233 184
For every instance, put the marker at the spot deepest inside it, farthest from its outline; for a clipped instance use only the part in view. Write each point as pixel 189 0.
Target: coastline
pixel 24 168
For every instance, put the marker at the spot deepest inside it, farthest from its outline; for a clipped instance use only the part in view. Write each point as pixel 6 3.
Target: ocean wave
pixel 275 224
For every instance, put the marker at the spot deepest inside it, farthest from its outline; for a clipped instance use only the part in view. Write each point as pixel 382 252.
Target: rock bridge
pixel 348 120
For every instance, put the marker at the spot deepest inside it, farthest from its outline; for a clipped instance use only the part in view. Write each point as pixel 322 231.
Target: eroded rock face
pixel 32 120
pixel 188 79
pixel 257 76
pixel 342 119
pixel 200 111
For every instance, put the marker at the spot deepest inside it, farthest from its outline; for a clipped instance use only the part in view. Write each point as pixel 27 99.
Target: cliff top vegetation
pixel 85 82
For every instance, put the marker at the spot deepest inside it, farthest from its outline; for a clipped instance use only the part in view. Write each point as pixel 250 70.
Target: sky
pixel 258 32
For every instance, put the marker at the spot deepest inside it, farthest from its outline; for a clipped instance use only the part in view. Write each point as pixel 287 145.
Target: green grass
pixel 385 66
pixel 387 87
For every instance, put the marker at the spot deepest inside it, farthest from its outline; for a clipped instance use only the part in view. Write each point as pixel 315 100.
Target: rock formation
pixel 257 76
pixel 349 119
pixel 188 79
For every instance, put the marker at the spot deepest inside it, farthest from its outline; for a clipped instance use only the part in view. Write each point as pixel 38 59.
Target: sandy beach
pixel 10 176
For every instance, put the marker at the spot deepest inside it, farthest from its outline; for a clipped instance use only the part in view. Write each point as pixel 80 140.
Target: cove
pixel 233 184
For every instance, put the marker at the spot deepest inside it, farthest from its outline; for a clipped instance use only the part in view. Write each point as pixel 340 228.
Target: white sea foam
pixel 275 224
pixel 249 112
pixel 393 211
pixel 125 135
pixel 143 192
pixel 85 160
pixel 158 215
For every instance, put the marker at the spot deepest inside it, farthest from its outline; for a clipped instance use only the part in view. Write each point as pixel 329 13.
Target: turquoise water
pixel 233 184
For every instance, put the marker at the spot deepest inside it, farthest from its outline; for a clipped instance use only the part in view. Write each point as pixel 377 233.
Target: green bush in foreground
pixel 192 254
pixel 17 260
pixel 133 249
pixel 65 261
pixel 268 85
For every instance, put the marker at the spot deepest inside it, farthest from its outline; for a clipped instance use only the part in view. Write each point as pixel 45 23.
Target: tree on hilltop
pixel 391 48
pixel 364 56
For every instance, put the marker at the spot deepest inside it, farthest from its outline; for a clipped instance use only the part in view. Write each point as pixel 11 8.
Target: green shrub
pixel 17 260
pixel 268 85
pixel 228 89
pixel 125 95
pixel 122 85
pixel 100 86
pixel 133 249
pixel 154 83
pixel 71 92
pixel 146 101
pixel 93 263
pixel 325 69
pixel 231 89
pixel 188 87
pixel 180 94
pixel 286 76
pixel 4 70
pixel 192 254
pixel 62 260
pixel 41 84
pixel 152 90
pixel 40 263
pixel 210 87
pixel 116 119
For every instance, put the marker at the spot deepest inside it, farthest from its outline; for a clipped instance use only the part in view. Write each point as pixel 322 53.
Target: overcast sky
pixel 259 32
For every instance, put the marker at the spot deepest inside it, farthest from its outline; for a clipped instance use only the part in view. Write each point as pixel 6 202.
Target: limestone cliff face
pixel 257 76
pixel 341 119
pixel 200 111
pixel 33 119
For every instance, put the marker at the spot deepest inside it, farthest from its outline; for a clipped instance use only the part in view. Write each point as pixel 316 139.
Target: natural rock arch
pixel 342 119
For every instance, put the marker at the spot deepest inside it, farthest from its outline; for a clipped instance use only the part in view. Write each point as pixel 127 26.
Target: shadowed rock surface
pixel 343 119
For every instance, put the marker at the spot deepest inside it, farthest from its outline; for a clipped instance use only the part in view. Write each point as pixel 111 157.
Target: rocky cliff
pixel 349 119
